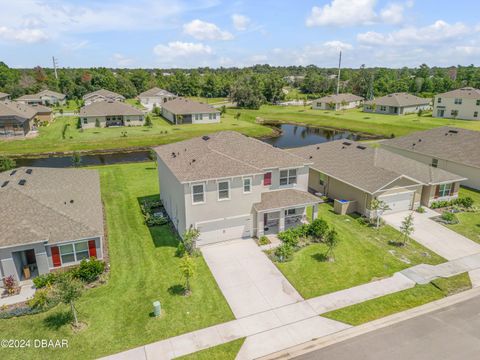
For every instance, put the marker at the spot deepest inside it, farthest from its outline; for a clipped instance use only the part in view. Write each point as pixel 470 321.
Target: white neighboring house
pixel 397 104
pixel 461 103
pixel 155 97
pixel 337 102
pixel 102 95
pixel 230 186
pixel 110 113
pixel 184 111
pixel 44 97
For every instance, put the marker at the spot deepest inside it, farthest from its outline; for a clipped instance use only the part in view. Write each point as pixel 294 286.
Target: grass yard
pixel 211 101
pixel 400 301
pixel 354 120
pixel 363 255
pixel 227 351
pixel 135 103
pixel 143 269
pixel 50 138
pixel 70 105
pixel 469 222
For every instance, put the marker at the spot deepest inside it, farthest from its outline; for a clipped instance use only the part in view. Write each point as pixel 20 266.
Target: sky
pixel 214 33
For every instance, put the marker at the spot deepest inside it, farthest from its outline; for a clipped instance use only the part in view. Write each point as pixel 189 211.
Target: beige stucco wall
pixel 402 110
pixel 466 110
pixel 129 120
pixel 319 105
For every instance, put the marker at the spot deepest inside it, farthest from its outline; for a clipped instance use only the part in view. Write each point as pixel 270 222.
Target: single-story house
pixel 184 111
pixel 102 95
pixel 18 119
pixel 351 171
pixel 448 148
pixel 461 103
pixel 337 102
pixel 110 113
pixel 44 97
pixel 51 218
pixel 397 104
pixel 155 97
pixel 4 96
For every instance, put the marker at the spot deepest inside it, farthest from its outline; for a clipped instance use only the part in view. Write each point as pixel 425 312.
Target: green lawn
pixel 354 120
pixel 363 255
pixel 70 105
pixel 136 103
pixel 143 269
pixel 400 301
pixel 227 351
pixel 212 101
pixel 50 137
pixel 469 222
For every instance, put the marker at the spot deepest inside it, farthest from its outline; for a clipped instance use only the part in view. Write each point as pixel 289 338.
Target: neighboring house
pixel 18 119
pixel 337 102
pixel 448 148
pixel 155 97
pixel 4 96
pixel 102 95
pixel 51 218
pixel 458 104
pixel 110 113
pixel 397 104
pixel 44 97
pixel 184 111
pixel 347 170
pixel 230 186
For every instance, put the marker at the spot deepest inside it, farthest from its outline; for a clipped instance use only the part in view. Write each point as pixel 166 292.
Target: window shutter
pixel 437 191
pixel 267 178
pixel 56 256
pixel 92 248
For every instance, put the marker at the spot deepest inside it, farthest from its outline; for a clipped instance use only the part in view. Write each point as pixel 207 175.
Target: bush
pixel 19 311
pixel 89 270
pixel 10 284
pixel 44 280
pixel 284 253
pixel 263 240
pixel 449 218
pixel 289 237
pixel 79 123
pixel 318 228
pixel 42 299
pixel 420 210
pixel 466 202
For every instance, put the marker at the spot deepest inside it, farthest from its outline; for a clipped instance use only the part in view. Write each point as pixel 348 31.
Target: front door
pixel 440 113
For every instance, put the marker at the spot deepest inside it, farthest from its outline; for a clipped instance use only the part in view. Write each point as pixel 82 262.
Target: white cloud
pixel 203 30
pixel 240 22
pixel 343 13
pixel 392 13
pixel 121 60
pixel 26 35
pixel 337 45
pixel 183 54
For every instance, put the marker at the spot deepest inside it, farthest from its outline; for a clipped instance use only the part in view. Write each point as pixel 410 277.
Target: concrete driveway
pixel 435 236
pixel 250 282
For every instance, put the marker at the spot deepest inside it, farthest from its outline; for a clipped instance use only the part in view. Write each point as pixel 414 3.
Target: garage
pixel 224 229
pixel 398 202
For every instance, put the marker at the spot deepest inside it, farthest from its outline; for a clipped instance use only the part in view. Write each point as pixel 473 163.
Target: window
pixel 434 163
pixel 475 114
pixel 458 101
pixel 67 254
pixel 198 116
pixel 288 177
pixel 223 190
pixel 74 252
pixel 198 193
pixel 454 113
pixel 478 102
pixel 247 185
pixel 319 104
pixel 290 212
pixel 439 100
pixel 81 251
pixel 267 179
pixel 85 121
pixel 211 116
pixel 383 108
pixel 444 190
pixel 322 179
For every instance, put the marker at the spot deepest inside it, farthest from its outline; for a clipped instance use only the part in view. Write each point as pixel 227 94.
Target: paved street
pixel 451 333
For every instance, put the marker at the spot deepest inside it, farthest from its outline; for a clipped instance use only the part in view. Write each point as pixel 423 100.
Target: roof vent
pixel 13 172
pixel 22 182
pixel 361 147
pixel 318 147
pixel 453 131
pixel 5 183
pixel 71 201
pixel 414 144
pixel 206 137
pixel 346 143
pixel 174 155
pixel 310 157
pixel 28 171
pixel 419 140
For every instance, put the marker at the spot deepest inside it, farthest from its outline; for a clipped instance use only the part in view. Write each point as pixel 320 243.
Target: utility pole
pixel 55 63
pixel 339 69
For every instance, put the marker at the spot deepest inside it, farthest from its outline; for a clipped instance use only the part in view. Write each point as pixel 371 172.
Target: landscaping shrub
pixel 19 311
pixel 10 285
pixel 263 240
pixel 284 253
pixel 289 237
pixel 79 123
pixel 420 210
pixel 466 202
pixel 449 218
pixel 42 300
pixel 89 271
pixel 317 230
pixel 44 280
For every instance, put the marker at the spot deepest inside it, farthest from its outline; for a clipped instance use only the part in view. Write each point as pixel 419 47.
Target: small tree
pixel 407 228
pixel 187 267
pixel 179 119
pixel 332 105
pixel 79 123
pixel 373 106
pixel 223 110
pixel 379 207
pixel 331 240
pixel 61 111
pixel 189 243
pixel 148 121
pixel 97 123
pixel 344 104
pixel 152 155
pixel 420 113
pixel 76 159
pixel 68 290
pixel 6 163
pixel 237 116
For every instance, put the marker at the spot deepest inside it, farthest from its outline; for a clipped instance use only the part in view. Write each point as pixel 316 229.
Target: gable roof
pixel 103 93
pixel 448 143
pixel 38 95
pixel 399 99
pixel 273 200
pixel 106 108
pixel 185 106
pixel 155 91
pixel 340 97
pixel 369 169
pixel 22 112
pixel 53 205
pixel 463 93
pixel 223 154
pixel 3 95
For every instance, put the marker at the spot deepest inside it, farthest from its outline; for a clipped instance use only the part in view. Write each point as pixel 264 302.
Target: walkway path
pixel 27 291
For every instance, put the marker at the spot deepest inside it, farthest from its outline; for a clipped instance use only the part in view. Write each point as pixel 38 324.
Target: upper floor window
pixel 439 100
pixel 288 177
pixel 198 193
pixel 223 190
pixel 247 185
pixel 475 114
pixel 434 163
pixel 267 179
pixel 478 102
pixel 458 101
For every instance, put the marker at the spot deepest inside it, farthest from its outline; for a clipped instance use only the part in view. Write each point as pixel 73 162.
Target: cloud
pixel 121 60
pixel 203 30
pixel 392 14
pixel 75 45
pixel 337 45
pixel 183 54
pixel 240 22
pixel 26 35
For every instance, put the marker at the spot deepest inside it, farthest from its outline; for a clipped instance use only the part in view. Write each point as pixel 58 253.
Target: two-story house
pixel 230 186
pixel 461 103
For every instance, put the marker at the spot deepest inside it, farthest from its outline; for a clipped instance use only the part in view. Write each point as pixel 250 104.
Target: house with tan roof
pixel 4 96
pixel 51 218
pixel 397 104
pixel 451 149
pixel 44 97
pixel 110 113
pixel 355 173
pixel 18 119
pixel 337 102
pixel 155 97
pixel 102 95
pixel 184 111
pixel 230 186
pixel 461 103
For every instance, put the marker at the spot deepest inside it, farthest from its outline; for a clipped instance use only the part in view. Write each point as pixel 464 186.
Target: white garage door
pixel 225 229
pixel 398 202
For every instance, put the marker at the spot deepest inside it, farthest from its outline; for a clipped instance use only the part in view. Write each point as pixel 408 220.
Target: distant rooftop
pixel 155 92
pixel 103 93
pixel 107 108
pixel 185 106
pixel 399 99
pixel 463 93
pixel 340 97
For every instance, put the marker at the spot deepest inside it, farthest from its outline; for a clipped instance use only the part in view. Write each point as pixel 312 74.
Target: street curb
pixel 316 344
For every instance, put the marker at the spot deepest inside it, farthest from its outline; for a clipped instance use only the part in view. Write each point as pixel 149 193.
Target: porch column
pixel 315 212
pixel 260 224
pixel 281 222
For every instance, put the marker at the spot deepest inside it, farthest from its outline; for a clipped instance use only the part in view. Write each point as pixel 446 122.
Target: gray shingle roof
pixel 399 99
pixel 224 154
pixel 279 199
pixel 449 143
pixel 367 168
pixel 3 95
pixel 53 205
pixel 103 93
pixel 108 108
pixel 185 106
pixel 42 93
pixel 340 97
pixel 463 93
pixel 12 108
pixel 155 92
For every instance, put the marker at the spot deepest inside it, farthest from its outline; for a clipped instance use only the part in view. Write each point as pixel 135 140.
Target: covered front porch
pixel 283 209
